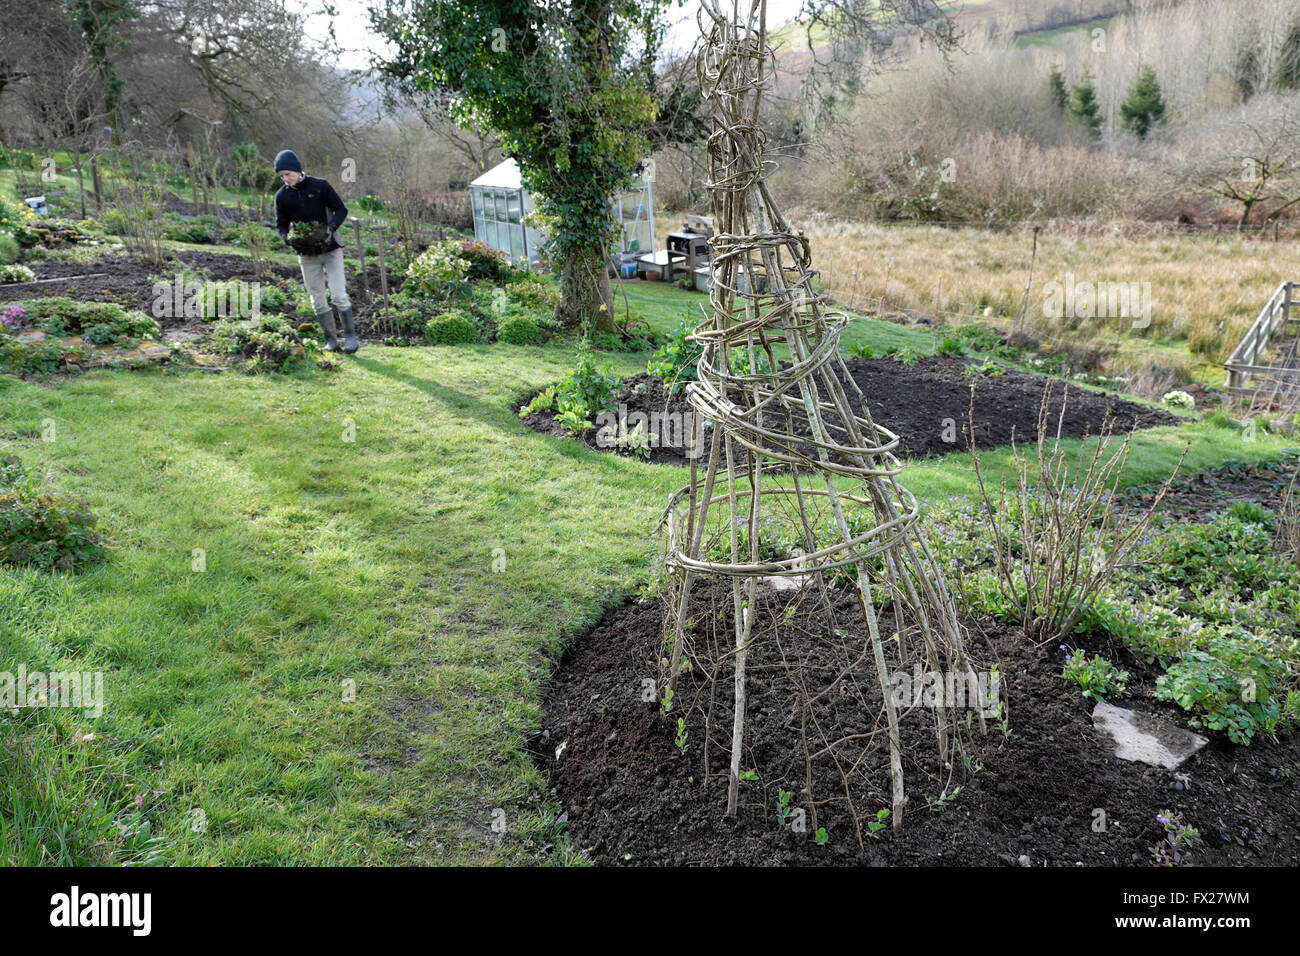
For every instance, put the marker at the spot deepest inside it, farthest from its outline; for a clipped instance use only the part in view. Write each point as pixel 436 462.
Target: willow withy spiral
pixel 796 442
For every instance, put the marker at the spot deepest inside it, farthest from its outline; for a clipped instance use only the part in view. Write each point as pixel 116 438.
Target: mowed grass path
pixel 327 560
pixel 436 560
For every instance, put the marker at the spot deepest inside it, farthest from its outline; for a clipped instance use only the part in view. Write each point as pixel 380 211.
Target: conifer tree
pixel 1144 106
pixel 1056 86
pixel 1083 108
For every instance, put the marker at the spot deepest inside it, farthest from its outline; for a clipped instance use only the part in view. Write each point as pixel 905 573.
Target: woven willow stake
pixel 840 468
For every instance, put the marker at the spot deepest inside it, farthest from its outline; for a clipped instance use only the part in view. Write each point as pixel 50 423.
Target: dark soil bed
pixel 1199 496
pixel 632 796
pixel 925 404
pixel 129 282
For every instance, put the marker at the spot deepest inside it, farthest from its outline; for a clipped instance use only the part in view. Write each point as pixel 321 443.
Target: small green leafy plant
pixel 41 528
pixel 1178 839
pixel 949 348
pixel 675 362
pixel 543 401
pixel 1229 685
pixel 1096 676
pixel 301 230
pixel 989 369
pixel 937 804
pixel 572 417
pixel 875 826
pixel 906 355
pixel 783 809
pixel 584 392
pixel 636 441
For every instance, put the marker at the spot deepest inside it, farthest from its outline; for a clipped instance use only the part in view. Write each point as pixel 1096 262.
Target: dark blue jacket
pixel 313 200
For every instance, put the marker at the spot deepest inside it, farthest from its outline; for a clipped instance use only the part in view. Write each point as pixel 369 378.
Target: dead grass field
pixel 1204 290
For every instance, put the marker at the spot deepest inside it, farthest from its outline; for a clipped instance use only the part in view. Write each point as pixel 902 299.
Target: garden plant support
pixel 762 298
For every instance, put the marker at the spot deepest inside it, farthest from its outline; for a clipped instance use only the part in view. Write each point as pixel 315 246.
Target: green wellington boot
pixel 326 320
pixel 349 333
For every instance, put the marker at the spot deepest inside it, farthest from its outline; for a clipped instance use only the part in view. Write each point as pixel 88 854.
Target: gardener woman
pixel 313 201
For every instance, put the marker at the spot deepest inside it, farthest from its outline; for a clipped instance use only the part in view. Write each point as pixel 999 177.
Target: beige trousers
pixel 316 271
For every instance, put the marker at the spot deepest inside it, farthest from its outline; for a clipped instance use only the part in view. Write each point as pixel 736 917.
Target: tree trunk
pixel 584 289
pixel 95 185
pixel 1249 204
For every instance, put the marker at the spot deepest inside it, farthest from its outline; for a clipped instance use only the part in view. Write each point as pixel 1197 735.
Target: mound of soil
pixel 633 797
pixel 128 282
pixel 128 279
pixel 925 404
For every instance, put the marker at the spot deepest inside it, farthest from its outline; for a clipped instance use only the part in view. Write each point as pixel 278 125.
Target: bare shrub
pixel 977 140
pixel 1246 157
pixel 139 200
pixel 1058 539
pixel 1287 536
pixel 1150 379
pixel 1010 177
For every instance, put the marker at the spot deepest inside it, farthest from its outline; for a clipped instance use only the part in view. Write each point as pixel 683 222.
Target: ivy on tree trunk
pixel 566 86
pixel 584 288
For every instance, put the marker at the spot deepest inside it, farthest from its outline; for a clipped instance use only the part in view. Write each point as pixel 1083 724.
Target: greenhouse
pixel 501 202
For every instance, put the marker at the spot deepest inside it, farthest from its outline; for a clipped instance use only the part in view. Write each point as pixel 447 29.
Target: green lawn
pixel 437 563
pixel 662 305
pixel 1048 37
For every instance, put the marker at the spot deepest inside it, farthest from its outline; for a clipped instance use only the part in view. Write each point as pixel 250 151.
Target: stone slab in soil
pixel 1146 738
pixel 144 354
pixel 924 404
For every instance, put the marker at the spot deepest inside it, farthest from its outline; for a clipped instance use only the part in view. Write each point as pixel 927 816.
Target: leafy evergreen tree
pixel 1145 106
pixel 1056 86
pixel 1082 108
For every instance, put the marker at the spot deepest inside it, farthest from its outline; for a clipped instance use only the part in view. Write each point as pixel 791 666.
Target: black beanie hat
pixel 287 159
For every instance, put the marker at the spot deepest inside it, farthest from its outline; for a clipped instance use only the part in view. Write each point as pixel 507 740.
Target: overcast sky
pixel 357 42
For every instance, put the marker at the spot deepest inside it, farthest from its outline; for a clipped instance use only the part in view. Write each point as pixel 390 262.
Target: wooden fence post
pixel 194 182
pixel 95 183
